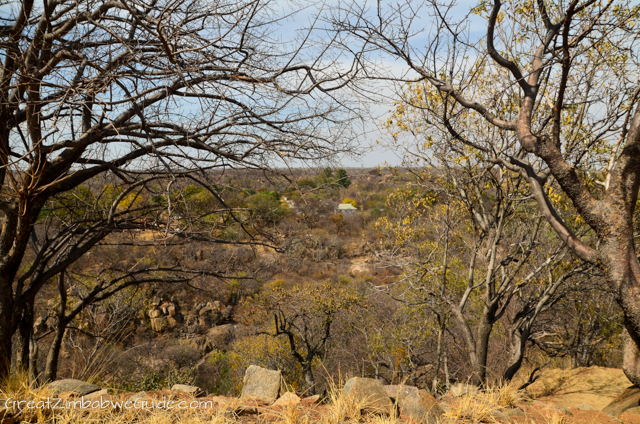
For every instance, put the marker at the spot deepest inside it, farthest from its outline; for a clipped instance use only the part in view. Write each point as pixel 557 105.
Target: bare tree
pixel 562 79
pixel 469 252
pixel 142 89
pixel 307 317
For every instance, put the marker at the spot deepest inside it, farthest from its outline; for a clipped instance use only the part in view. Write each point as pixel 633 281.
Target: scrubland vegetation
pixel 342 294
pixel 174 208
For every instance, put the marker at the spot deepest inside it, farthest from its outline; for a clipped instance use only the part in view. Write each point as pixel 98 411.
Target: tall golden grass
pixel 340 409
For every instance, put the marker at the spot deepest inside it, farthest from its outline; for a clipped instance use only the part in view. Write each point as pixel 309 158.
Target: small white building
pixel 346 209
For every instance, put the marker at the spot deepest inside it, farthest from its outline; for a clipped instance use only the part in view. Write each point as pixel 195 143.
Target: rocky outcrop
pixel 163 315
pixel 261 384
pixel 370 394
pixel 415 403
pixel 158 321
pixel 76 387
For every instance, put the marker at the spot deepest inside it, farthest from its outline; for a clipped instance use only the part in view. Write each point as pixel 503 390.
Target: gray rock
pixel 392 391
pixel 97 395
pixel 221 335
pixel 562 409
pixel 514 412
pixel 261 384
pixel 415 403
pixel 586 407
pixel 137 396
pixel 463 389
pixel 497 414
pixel 80 388
pixel 369 393
pixel 184 388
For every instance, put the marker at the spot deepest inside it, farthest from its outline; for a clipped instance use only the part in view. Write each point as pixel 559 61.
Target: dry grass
pixel 478 407
pixel 505 396
pixel 18 388
pixel 557 419
pixel 343 408
pixel 470 409
pixel 473 408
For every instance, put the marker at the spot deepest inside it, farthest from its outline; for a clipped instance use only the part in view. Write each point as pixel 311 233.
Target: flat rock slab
pixel 261 384
pixel 240 406
pixel 415 403
pixel 628 399
pixel 310 400
pixel 370 394
pixel 514 412
pixel 104 393
pixel 597 386
pixel 287 399
pixel 139 395
pixel 77 387
pixel 184 388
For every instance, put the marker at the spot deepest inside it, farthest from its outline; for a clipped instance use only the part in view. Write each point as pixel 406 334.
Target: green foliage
pixel 266 206
pixel 153 379
pixel 342 178
pixel 72 205
pixel 306 183
pixel 221 378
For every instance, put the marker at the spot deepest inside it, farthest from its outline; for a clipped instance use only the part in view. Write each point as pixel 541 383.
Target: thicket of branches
pixel 149 94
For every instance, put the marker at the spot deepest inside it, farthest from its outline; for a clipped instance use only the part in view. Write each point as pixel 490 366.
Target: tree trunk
pixel 622 267
pixel 446 371
pixel 51 367
pixel 631 334
pixel 482 351
pixel 439 350
pixel 6 331
pixel 309 379
pixel 478 345
pixel 25 334
pixel 519 348
pixel 630 358
pixel 33 359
